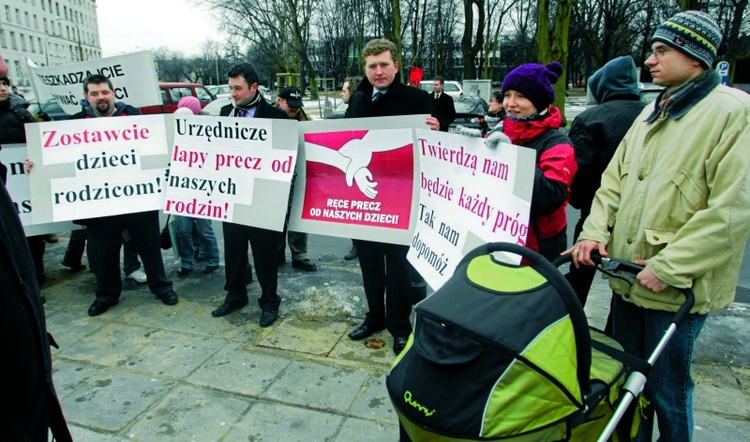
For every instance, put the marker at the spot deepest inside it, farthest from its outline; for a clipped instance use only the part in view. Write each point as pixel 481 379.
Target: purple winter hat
pixel 535 82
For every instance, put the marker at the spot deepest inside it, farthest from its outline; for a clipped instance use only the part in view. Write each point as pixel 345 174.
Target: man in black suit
pixel 445 111
pixel 247 102
pixel 385 270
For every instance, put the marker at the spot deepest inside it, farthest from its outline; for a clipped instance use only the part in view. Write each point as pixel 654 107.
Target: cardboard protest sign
pixel 97 167
pixel 356 178
pixel 13 156
pixel 232 169
pixel 133 79
pixel 469 195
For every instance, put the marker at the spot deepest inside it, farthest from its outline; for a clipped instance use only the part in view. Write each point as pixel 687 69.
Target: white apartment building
pixel 49 32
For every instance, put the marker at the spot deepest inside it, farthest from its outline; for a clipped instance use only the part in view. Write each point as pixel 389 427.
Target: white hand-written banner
pixel 13 156
pixel 97 167
pixel 232 169
pixel 133 79
pixel 469 195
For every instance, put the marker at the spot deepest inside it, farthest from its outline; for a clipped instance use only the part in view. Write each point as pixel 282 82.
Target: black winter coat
pixel 445 110
pixel 595 134
pixel 29 393
pixel 399 100
pixel 264 110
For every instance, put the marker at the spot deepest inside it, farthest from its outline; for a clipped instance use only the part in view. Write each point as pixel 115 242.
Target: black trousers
pixel 104 243
pixel 264 245
pixel 385 276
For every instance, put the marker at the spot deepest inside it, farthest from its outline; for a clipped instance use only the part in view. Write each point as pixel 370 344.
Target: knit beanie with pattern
pixel 694 33
pixel 535 82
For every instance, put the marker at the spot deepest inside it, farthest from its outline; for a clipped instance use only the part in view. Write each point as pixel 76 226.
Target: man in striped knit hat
pixel 675 199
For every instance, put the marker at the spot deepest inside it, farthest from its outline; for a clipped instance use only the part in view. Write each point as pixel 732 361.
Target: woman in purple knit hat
pixel 531 121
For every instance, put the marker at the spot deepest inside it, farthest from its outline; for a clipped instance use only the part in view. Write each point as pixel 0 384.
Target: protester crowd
pixel 664 185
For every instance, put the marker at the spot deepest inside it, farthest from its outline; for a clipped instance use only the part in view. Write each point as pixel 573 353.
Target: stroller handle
pixel 627 271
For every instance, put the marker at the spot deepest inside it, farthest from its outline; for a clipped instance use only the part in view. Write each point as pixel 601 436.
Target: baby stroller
pixel 504 352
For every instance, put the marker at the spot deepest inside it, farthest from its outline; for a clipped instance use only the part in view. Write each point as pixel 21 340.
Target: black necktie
pixel 376 96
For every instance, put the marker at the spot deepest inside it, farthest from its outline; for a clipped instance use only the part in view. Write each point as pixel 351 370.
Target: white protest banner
pixel 232 169
pixel 356 178
pixel 13 156
pixel 469 195
pixel 133 79
pixel 97 167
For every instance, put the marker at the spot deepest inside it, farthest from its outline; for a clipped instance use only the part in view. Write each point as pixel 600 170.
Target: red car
pixel 171 94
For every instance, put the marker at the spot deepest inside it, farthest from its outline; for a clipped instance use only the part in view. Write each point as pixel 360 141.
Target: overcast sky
pixel 132 25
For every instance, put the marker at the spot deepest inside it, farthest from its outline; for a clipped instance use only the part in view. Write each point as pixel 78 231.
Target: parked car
pixel 219 91
pixel 649 92
pixel 171 94
pixel 470 112
pixel 215 106
pixel 50 107
pixel 452 88
pixel 339 112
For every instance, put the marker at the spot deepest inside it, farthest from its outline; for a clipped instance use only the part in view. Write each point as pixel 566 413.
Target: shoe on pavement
pixel 74 267
pixel 228 307
pixel 364 331
pixel 138 276
pixel 184 272
pixel 51 238
pixel 304 264
pixel 352 254
pixel 99 307
pixel 268 317
pixel 211 269
pixel 399 343
pixel 169 297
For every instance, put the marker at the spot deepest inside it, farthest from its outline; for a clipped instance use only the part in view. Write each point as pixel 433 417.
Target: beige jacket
pixel 677 193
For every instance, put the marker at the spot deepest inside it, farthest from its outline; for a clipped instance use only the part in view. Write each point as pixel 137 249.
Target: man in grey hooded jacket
pixel 595 134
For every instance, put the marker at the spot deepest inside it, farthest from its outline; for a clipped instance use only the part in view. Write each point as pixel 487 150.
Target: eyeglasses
pixel 660 52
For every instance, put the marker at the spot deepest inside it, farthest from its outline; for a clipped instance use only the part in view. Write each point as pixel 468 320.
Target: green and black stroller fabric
pixel 504 352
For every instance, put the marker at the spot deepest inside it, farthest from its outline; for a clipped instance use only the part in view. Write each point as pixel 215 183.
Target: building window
pixel 18 16
pixel 2 39
pixel 7 13
pixel 28 22
pixel 31 44
pixel 23 42
pixel 13 41
pixel 44 21
pixel 36 22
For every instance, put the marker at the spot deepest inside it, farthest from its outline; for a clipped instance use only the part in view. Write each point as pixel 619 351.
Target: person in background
pixel 14 89
pixel 385 270
pixel 105 234
pixel 442 103
pixel 248 102
pixel 191 230
pixel 531 121
pixel 347 90
pixel 595 134
pixel 675 198
pixel 12 121
pixel 289 101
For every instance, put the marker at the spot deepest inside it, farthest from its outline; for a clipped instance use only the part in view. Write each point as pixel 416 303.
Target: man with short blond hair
pixel 385 270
